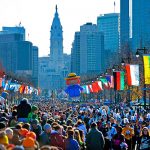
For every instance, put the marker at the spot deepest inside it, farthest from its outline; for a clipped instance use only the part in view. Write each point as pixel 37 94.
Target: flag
pixel 21 89
pixel 95 87
pixel 118 80
pixel 87 89
pixel 26 90
pixel 146 59
pixel 90 88
pixel 100 85
pixel 1 82
pixel 132 72
pixel 110 80
pixel 105 83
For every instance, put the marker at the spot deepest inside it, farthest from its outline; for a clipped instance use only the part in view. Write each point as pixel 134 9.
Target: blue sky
pixel 37 15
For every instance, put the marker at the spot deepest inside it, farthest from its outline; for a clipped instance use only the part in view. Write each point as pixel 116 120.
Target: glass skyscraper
pixel 140 24
pixel 124 23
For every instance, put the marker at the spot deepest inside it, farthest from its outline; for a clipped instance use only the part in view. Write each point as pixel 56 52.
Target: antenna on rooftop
pixel 114 6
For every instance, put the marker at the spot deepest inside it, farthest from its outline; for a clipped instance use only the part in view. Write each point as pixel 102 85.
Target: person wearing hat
pixel 95 139
pixel 36 128
pixel 29 143
pixel 33 114
pixel 144 139
pixel 23 110
pixel 128 133
pixel 45 136
pixel 3 136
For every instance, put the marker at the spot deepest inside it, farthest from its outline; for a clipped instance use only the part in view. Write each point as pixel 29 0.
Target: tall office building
pixel 124 23
pixel 109 25
pixel 87 49
pixel 18 29
pixel 140 24
pixel 75 54
pixel 17 55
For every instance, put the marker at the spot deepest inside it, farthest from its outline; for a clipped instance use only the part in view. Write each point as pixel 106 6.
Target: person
pixel 3 137
pixel 118 139
pixel 33 114
pixel 111 131
pixel 128 133
pixel 9 133
pixel 78 138
pixel 71 143
pixel 23 109
pixel 56 138
pixel 36 128
pixel 45 136
pixel 144 140
pixel 95 139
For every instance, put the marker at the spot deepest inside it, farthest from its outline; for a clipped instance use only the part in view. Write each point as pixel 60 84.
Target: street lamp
pixel 141 51
pixel 123 62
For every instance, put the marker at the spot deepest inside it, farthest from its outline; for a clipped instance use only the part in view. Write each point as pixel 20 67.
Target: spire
pixel 56 8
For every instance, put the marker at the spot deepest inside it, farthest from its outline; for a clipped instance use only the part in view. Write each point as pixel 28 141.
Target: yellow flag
pixel 146 59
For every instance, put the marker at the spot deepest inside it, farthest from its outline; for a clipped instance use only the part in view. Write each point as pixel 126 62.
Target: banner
pixel 146 59
pixel 119 83
pixel 110 80
pixel 132 73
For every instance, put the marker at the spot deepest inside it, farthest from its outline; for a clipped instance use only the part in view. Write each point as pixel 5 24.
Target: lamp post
pixel 141 51
pixel 115 67
pixel 123 62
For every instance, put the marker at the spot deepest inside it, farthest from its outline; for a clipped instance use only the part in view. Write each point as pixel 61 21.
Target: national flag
pixel 146 59
pixel 1 82
pixel 110 80
pixel 105 83
pixel 119 83
pixel 21 89
pixel 26 90
pixel 95 87
pixel 132 73
pixel 87 89
pixel 12 86
pixel 90 88
pixel 100 85
pixel 84 88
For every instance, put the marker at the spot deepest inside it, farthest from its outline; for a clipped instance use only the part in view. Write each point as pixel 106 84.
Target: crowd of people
pixel 46 125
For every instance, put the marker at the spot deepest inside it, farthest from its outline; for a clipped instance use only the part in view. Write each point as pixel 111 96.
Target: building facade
pixel 17 55
pixel 54 68
pixel 124 23
pixel 140 24
pixel 87 50
pixel 75 54
pixel 109 25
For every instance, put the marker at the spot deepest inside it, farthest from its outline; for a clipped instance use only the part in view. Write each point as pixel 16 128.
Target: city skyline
pixel 72 13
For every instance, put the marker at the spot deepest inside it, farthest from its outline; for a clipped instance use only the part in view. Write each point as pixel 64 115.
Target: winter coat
pixel 57 140
pixel 95 140
pixel 72 144
pixel 23 109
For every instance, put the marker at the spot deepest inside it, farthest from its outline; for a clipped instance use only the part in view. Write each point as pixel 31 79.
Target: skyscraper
pixel 109 25
pixel 124 23
pixel 140 24
pixel 75 54
pixel 86 54
pixel 17 55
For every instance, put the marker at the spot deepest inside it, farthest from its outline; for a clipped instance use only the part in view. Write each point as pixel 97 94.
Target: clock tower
pixel 56 43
